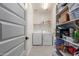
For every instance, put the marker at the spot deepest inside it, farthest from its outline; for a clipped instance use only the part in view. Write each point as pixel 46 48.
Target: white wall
pixel 42 27
pixel 53 25
pixel 29 27
pixel 39 17
pixel 53 21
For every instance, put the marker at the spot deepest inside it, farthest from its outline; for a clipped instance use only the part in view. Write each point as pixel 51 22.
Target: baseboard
pixel 23 53
pixel 28 52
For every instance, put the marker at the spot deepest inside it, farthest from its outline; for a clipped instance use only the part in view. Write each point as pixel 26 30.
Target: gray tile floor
pixel 41 51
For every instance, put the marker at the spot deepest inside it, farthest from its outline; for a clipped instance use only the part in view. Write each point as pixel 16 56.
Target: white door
pixel 12 22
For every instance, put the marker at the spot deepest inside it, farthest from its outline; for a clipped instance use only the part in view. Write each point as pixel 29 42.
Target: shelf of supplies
pixel 70 40
pixel 65 8
pixel 64 23
pixel 68 22
pixel 64 53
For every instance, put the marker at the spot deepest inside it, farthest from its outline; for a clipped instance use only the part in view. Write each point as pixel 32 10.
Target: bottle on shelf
pixel 76 36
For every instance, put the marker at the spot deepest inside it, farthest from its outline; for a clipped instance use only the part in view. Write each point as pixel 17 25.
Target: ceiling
pixel 38 7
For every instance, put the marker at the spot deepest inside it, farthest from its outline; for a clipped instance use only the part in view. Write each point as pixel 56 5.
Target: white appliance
pixel 42 38
pixel 47 39
pixel 37 38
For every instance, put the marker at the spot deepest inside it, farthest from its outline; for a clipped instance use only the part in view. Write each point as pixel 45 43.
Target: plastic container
pixel 73 6
pixel 59 41
pixel 74 14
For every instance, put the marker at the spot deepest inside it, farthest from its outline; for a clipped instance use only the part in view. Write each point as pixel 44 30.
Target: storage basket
pixel 64 17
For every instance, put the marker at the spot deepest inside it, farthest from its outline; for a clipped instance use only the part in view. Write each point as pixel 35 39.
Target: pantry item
pixel 59 44
pixel 76 36
pixel 71 49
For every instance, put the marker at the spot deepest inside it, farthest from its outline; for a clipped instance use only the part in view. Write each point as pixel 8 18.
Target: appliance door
pixel 47 39
pixel 37 38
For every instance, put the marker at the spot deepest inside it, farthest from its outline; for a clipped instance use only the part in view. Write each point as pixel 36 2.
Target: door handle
pixel 26 38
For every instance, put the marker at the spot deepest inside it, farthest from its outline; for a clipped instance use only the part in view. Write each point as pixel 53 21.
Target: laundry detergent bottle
pixel 76 36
